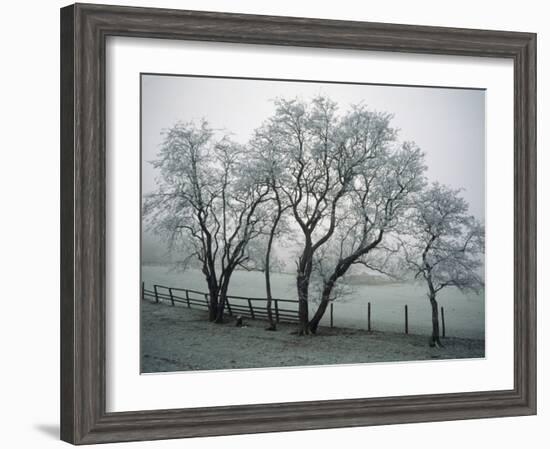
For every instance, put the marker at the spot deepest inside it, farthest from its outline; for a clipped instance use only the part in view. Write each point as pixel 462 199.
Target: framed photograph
pixel 274 223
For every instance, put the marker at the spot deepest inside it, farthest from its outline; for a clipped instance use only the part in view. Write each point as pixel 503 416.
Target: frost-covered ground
pixel 181 339
pixel 464 314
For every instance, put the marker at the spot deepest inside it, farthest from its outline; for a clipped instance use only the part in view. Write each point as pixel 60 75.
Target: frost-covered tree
pixel 207 204
pixel 378 199
pixel 322 156
pixel 268 163
pixel 444 246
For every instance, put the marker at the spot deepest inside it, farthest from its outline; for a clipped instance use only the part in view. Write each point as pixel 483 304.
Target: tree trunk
pixel 272 322
pixel 213 303
pixel 222 299
pixel 435 322
pixel 213 291
pixel 280 210
pixel 340 270
pixel 325 300
pixel 302 284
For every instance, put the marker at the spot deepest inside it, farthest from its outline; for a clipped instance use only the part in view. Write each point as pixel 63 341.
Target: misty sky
pixel 448 124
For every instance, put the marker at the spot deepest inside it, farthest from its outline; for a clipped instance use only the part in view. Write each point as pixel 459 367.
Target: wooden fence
pixel 250 307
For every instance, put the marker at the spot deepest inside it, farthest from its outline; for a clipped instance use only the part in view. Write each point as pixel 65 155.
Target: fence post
pixel 277 310
pixel 206 300
pixel 331 315
pixel 156 293
pixel 442 322
pixel 368 313
pixel 171 296
pixel 406 319
pixel 251 308
pixel 143 290
pixel 187 297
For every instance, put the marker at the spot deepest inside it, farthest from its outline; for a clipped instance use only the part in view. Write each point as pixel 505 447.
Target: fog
pixel 448 124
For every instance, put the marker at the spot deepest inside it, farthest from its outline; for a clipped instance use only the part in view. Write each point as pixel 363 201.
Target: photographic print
pixel 297 223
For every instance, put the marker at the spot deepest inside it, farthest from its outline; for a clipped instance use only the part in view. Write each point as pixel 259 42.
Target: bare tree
pixel 268 162
pixel 278 213
pixel 262 257
pixel 380 195
pixel 207 204
pixel 322 155
pixel 445 246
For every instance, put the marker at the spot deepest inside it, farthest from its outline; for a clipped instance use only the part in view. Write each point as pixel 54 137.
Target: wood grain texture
pixel 83 32
pixel 67 225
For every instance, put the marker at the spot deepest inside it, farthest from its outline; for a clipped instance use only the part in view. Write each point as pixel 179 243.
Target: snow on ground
pixel 464 314
pixel 181 339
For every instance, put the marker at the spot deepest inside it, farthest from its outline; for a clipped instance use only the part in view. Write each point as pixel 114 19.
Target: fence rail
pixel 248 306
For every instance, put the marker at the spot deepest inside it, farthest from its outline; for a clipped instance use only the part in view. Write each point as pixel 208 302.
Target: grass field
pixel 464 314
pixel 181 339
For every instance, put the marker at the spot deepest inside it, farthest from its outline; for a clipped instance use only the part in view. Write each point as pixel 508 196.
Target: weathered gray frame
pixel 83 31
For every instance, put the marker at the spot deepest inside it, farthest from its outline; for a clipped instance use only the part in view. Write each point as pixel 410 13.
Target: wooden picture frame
pixel 84 29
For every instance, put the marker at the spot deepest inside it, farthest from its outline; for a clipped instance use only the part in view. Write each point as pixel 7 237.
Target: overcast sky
pixel 448 124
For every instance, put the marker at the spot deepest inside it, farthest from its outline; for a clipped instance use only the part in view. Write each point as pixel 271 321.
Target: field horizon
pixel 464 313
